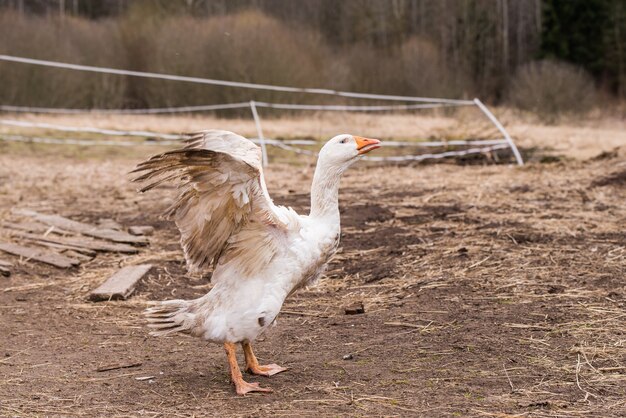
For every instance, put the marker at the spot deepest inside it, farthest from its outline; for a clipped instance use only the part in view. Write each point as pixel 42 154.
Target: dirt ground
pixel 489 290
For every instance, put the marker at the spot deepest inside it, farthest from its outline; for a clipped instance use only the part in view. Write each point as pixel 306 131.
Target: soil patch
pixel 482 298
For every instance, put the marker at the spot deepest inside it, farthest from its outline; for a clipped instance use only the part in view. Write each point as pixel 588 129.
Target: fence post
pixel 498 125
pixel 259 130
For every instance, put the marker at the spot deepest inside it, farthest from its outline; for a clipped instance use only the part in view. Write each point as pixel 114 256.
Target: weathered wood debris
pixel 44 256
pixel 121 284
pixel 85 229
pixel 63 242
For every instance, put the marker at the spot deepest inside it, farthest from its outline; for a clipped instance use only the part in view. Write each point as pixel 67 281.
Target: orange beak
pixel 365 145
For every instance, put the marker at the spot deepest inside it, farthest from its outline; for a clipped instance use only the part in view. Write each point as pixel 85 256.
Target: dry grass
pixel 579 139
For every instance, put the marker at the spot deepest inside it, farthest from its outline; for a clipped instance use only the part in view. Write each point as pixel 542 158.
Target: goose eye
pixel 343 141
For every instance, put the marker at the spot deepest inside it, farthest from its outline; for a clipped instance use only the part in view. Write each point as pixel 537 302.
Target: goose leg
pixel 242 387
pixel 253 366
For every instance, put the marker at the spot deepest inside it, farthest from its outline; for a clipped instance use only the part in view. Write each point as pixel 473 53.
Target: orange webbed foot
pixel 253 366
pixel 242 387
pixel 267 370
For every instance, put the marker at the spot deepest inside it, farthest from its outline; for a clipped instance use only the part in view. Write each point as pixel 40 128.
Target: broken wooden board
pixel 141 230
pixel 83 228
pixel 77 255
pixel 63 248
pixel 47 257
pixel 33 227
pixel 121 284
pixel 117 236
pixel 80 244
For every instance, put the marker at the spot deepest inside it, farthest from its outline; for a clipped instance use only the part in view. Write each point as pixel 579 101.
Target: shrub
pixel 72 40
pixel 550 88
pixel 247 46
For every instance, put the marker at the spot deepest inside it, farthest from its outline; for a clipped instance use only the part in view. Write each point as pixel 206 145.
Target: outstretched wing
pixel 222 205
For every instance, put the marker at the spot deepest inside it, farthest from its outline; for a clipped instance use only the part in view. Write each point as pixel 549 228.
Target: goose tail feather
pixel 170 316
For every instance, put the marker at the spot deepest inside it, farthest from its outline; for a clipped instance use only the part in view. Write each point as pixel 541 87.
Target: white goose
pixel 260 252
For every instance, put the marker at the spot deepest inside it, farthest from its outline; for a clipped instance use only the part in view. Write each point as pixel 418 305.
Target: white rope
pixel 143 134
pixel 88 129
pixel 496 122
pixel 259 130
pixel 154 110
pixel 203 108
pixel 149 134
pixel 88 142
pixel 287 141
pixel 444 143
pixel 285 145
pixel 345 108
pixel 439 155
pixel 280 144
pixel 84 142
pixel 107 70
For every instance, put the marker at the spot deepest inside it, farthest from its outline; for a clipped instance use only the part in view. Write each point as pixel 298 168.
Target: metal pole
pixel 496 122
pixel 259 130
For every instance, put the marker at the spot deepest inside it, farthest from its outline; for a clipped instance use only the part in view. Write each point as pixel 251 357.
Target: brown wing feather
pixel 218 194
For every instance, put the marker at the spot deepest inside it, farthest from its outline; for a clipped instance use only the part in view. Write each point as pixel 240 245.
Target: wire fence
pixel 151 134
pixel 253 86
pixel 479 146
pixel 208 108
pixel 272 142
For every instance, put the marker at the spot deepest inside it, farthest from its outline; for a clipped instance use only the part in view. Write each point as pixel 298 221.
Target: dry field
pixel 489 290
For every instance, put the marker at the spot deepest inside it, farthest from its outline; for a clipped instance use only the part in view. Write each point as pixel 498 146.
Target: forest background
pixel 543 56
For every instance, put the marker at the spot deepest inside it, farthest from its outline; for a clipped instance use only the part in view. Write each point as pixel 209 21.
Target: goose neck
pixel 325 193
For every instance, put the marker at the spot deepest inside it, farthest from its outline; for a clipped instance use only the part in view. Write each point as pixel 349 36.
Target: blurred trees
pixel 591 34
pixel 451 48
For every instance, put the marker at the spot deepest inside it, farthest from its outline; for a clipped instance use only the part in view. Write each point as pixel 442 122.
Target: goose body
pixel 260 253
pixel 243 312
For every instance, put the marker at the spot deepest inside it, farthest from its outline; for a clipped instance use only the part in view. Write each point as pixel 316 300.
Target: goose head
pixel 335 157
pixel 343 150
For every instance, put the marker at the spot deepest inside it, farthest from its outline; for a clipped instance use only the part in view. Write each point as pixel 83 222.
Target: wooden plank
pixel 79 244
pixel 117 236
pixel 56 220
pixel 83 228
pixel 141 230
pixel 78 256
pixel 47 257
pixel 63 248
pixel 33 227
pixel 121 284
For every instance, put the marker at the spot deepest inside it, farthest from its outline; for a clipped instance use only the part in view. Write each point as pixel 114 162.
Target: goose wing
pixel 222 206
